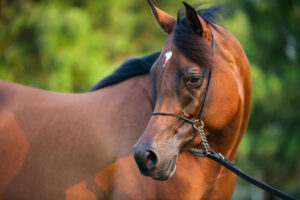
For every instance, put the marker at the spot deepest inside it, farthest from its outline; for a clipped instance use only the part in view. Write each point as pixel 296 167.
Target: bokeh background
pixel 69 45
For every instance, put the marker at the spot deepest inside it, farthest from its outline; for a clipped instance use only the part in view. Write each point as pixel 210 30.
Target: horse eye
pixel 193 80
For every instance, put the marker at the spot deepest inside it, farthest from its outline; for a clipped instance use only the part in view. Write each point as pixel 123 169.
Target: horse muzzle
pixel 151 163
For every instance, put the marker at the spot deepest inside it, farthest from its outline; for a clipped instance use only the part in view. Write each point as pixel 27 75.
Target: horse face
pixel 179 85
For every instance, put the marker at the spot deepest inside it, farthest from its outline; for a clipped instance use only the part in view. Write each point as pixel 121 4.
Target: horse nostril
pixel 151 160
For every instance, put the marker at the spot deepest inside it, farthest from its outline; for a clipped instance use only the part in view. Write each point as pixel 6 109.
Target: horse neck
pixel 227 140
pixel 229 50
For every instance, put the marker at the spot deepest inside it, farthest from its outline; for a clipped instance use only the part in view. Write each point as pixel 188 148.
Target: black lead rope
pixel 232 167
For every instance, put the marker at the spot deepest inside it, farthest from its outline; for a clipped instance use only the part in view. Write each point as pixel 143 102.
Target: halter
pixel 198 124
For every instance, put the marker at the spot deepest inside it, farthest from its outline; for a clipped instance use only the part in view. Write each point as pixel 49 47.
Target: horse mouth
pixel 168 172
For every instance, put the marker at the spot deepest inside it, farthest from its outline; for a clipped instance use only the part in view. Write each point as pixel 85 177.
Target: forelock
pixel 191 45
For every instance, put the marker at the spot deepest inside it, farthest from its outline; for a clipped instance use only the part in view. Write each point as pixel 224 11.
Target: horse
pixel 202 71
pixel 79 146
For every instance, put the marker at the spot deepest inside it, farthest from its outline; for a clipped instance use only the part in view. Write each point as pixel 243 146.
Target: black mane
pixel 191 45
pixel 132 67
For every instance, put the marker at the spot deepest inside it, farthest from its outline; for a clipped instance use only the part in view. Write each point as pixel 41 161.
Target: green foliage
pixel 48 47
pixel 269 149
pixel 68 46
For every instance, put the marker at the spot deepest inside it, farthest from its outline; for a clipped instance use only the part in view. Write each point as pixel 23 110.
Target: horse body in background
pixel 79 146
pixel 61 146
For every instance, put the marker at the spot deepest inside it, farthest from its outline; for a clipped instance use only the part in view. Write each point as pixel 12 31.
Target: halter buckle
pixel 198 124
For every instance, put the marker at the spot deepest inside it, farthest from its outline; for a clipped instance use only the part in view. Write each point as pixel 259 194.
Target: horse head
pixel 189 73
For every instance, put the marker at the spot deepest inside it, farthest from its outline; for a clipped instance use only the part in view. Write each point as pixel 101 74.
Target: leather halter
pixel 198 124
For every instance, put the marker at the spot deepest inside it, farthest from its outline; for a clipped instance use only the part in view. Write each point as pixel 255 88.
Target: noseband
pixel 198 125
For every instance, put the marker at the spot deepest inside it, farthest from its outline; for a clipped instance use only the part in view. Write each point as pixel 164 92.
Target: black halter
pixel 208 152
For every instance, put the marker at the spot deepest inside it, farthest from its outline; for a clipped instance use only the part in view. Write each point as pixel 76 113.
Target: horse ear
pixel 196 22
pixel 165 21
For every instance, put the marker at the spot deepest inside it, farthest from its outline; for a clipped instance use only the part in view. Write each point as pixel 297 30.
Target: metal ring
pixel 198 124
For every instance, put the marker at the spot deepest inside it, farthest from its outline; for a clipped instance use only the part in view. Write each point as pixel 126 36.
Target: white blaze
pixel 168 56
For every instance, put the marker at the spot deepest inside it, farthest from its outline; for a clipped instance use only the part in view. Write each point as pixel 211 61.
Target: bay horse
pixel 202 71
pixel 79 146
